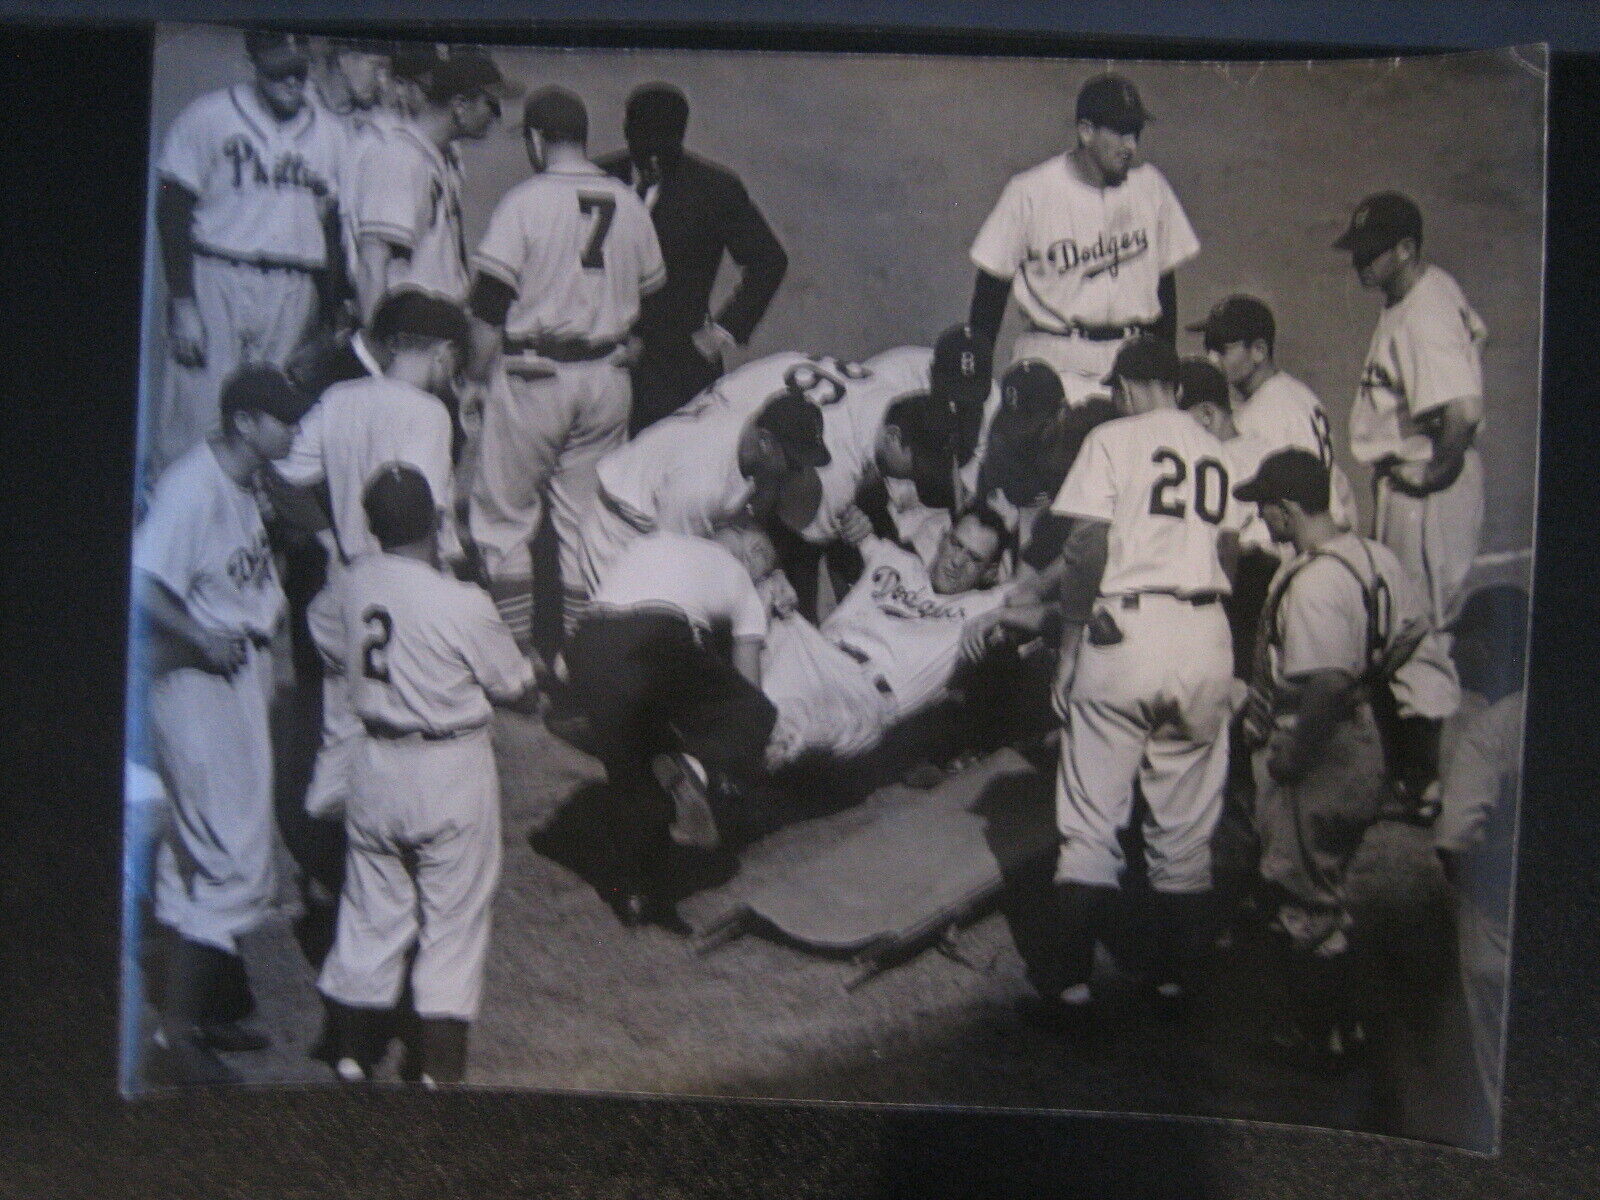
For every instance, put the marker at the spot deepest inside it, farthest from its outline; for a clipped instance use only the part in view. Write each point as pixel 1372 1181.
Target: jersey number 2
pixel 602 209
pixel 1210 487
pixel 374 651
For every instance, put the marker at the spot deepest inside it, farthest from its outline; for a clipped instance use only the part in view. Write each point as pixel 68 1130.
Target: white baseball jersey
pixel 909 634
pixel 357 427
pixel 1085 255
pixel 423 651
pixel 261 182
pixel 579 249
pixel 691 577
pixel 1426 351
pixel 1162 483
pixel 409 195
pixel 680 475
pixel 203 539
pixel 360 130
pixel 1243 456
pixel 1285 413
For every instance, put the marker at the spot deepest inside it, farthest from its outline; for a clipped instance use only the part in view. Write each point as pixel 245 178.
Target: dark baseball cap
pixel 467 70
pixel 1200 382
pixel 1145 358
pixel 259 388
pixel 399 504
pixel 420 314
pixel 285 49
pixel 1030 391
pixel 1379 222
pixel 1292 474
pixel 962 366
pixel 659 110
pixel 1238 318
pixel 414 61
pixel 1111 102
pixel 797 425
pixel 558 114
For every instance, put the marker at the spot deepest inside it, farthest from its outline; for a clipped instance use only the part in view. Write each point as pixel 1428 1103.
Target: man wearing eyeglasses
pixel 246 218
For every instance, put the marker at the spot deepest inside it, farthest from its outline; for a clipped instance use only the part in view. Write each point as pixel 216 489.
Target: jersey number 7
pixel 601 208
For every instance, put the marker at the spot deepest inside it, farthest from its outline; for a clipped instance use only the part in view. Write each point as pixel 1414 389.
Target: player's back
pixel 689 452
pixel 424 651
pixel 579 250
pixel 359 426
pixel 1163 484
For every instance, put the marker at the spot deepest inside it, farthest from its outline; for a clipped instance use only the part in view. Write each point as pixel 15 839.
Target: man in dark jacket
pixel 700 210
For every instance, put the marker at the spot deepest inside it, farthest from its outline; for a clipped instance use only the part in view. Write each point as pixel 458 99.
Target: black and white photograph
pixel 917 580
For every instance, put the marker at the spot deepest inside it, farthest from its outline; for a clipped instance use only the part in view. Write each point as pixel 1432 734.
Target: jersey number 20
pixel 601 208
pixel 374 650
pixel 1210 487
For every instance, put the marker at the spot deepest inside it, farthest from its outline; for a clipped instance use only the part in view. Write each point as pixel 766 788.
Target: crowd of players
pixel 769 565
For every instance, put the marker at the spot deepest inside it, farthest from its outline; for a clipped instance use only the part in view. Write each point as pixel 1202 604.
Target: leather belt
pixel 1198 599
pixel 563 350
pixel 861 657
pixel 389 733
pixel 1097 333
pixel 259 264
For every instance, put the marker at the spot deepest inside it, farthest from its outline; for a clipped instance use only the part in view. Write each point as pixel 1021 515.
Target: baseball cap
pixel 1237 318
pixel 414 60
pixel 1199 382
pixel 962 366
pixel 1379 222
pixel 558 114
pixel 259 388
pixel 1292 474
pixel 797 425
pixel 1030 391
pixel 658 109
pixel 466 70
pixel 420 314
pixel 276 44
pixel 1111 102
pixel 1144 358
pixel 399 504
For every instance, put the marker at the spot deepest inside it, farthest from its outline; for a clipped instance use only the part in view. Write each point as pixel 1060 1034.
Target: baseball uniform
pixel 426 655
pixel 1284 413
pixel 1425 353
pixel 355 428
pixel 203 539
pixel 578 249
pixel 643 669
pixel 680 475
pixel 261 186
pixel 1342 607
pixel 409 196
pixel 361 130
pixel 885 653
pixel 1085 263
pixel 1154 706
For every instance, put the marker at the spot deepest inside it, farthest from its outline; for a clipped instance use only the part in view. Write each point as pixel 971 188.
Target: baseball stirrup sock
pixel 514 600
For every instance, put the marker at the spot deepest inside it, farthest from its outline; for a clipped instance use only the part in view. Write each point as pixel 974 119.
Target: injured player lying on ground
pixel 895 643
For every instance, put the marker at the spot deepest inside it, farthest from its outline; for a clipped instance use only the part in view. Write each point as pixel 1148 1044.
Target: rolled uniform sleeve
pixel 1089 489
pixel 1177 242
pixel 999 247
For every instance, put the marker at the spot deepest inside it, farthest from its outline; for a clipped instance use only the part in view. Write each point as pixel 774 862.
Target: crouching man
pixel 674 718
pixel 426 656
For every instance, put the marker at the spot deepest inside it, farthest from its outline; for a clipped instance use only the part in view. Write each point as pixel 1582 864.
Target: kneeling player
pixel 426 656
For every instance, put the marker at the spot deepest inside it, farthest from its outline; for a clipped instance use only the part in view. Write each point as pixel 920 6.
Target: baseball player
pixel 347 86
pixel 207 603
pixel 1417 413
pixel 426 657
pixel 1145 676
pixel 1088 244
pixel 893 644
pixel 559 275
pixel 408 204
pixel 707 466
pixel 354 429
pixel 671 716
pixel 1343 622
pixel 245 216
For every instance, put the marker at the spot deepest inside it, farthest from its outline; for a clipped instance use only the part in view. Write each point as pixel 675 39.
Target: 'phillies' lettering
pixel 903 602
pixel 1104 255
pixel 289 171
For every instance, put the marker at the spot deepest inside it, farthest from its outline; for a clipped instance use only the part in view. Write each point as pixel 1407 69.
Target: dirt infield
pixel 875 172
